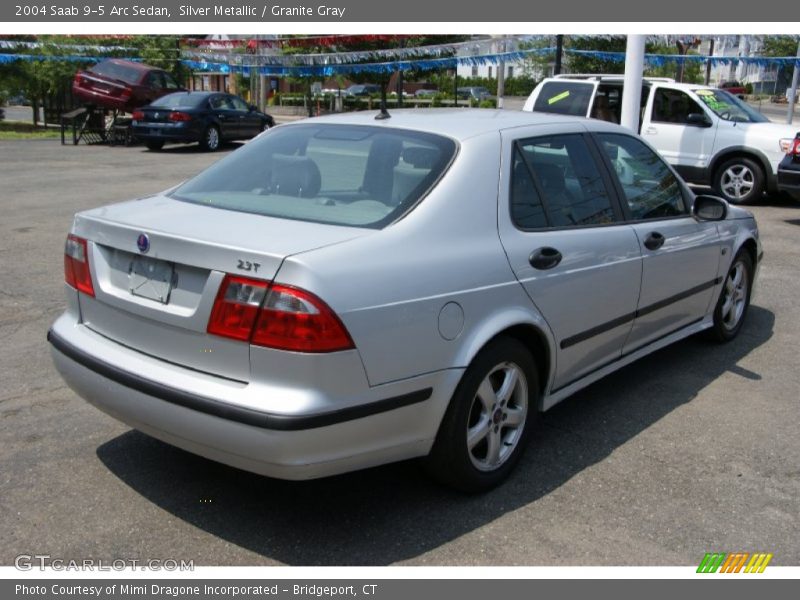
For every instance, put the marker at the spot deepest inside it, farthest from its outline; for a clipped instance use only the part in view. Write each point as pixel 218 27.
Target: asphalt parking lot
pixel 691 450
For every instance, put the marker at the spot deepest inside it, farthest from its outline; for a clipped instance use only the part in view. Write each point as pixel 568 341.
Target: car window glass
pixel 238 103
pixel 568 180
pixel 729 107
pixel 169 82
pixel 650 188
pixel 673 106
pixel 221 103
pixel 526 204
pixel 121 71
pixel 154 80
pixel 564 98
pixel 341 174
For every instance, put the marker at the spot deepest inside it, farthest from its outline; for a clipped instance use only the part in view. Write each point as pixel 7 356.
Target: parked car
pixel 345 292
pixel 209 118
pixel 789 171
pixel 710 136
pixel 122 85
pixel 18 100
pixel 733 87
pixel 367 89
pixel 473 92
pixel 425 93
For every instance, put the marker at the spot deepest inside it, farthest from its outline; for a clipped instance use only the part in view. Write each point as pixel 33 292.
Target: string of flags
pixel 425 59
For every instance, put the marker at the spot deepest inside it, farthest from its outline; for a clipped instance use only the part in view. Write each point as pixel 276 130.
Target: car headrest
pixel 295 176
pixel 420 158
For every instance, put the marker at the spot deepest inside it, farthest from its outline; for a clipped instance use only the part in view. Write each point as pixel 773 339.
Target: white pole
pixel 632 90
pixel 793 90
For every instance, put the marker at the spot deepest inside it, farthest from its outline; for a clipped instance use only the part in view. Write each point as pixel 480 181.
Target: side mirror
pixel 710 208
pixel 252 108
pixel 697 120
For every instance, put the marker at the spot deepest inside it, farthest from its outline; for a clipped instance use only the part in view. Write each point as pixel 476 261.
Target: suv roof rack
pixel 601 76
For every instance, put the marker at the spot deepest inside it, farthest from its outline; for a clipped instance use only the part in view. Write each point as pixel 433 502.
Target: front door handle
pixel 654 240
pixel 651 130
pixel 545 258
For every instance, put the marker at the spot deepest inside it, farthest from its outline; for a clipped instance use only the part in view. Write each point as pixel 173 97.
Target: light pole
pixel 632 86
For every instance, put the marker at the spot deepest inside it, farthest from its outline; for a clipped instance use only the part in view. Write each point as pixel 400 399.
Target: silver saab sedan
pixel 345 292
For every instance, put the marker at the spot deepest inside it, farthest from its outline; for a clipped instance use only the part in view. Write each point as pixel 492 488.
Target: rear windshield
pixel 180 100
pixel 564 98
pixel 361 176
pixel 126 73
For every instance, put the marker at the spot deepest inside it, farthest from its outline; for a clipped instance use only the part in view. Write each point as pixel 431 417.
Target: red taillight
pixel 126 93
pixel 293 319
pixel 76 265
pixel 177 115
pixel 796 147
pixel 236 307
pixel 138 115
pixel 276 316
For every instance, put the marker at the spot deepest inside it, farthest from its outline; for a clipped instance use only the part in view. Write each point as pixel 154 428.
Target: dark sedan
pixel 789 171
pixel 209 118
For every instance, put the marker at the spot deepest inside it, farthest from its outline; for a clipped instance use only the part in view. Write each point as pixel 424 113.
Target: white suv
pixel 710 136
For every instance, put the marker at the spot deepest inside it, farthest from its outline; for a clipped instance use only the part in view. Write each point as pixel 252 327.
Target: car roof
pixel 457 123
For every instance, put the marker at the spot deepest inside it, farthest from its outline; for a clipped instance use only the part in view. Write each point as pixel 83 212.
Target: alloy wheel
pixel 497 416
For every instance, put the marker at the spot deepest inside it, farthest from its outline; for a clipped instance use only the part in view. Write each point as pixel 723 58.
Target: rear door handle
pixel 651 130
pixel 654 240
pixel 545 258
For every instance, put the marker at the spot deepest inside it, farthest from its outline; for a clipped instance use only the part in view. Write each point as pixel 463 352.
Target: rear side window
pixel 361 176
pixel 556 182
pixel 564 98
pixel 650 188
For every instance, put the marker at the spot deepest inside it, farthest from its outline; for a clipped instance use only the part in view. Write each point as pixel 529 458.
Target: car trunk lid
pixel 158 264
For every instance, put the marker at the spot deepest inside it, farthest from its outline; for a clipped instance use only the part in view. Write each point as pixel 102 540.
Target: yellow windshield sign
pixel 558 97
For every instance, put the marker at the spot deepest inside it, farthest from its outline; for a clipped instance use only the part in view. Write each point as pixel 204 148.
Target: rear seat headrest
pixel 295 176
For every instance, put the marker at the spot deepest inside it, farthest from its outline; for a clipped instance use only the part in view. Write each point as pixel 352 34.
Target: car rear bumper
pixel 168 134
pixel 393 422
pixel 789 182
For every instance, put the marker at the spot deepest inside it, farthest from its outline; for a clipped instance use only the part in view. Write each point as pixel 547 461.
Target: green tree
pixel 577 63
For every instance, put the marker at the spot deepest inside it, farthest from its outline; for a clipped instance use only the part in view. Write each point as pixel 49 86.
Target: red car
pixel 122 85
pixel 733 87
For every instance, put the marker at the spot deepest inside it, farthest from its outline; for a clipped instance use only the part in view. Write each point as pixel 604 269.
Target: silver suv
pixel 346 292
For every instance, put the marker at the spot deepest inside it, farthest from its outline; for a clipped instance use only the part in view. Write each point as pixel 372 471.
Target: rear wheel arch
pixel 536 342
pixel 533 337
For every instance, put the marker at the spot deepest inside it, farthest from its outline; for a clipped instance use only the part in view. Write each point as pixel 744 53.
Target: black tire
pixel 211 140
pixel 726 327
pixel 740 180
pixel 451 461
pixel 154 145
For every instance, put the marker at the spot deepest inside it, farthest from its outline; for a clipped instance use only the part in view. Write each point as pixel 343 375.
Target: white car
pixel 710 136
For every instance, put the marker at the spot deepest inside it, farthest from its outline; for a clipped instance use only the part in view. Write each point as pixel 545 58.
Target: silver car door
pixel 564 236
pixel 680 254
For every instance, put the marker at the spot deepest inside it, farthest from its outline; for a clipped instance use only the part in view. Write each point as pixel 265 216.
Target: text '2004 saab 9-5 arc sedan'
pixel 345 292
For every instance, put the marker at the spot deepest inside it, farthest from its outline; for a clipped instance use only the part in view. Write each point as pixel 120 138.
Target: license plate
pixel 151 278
